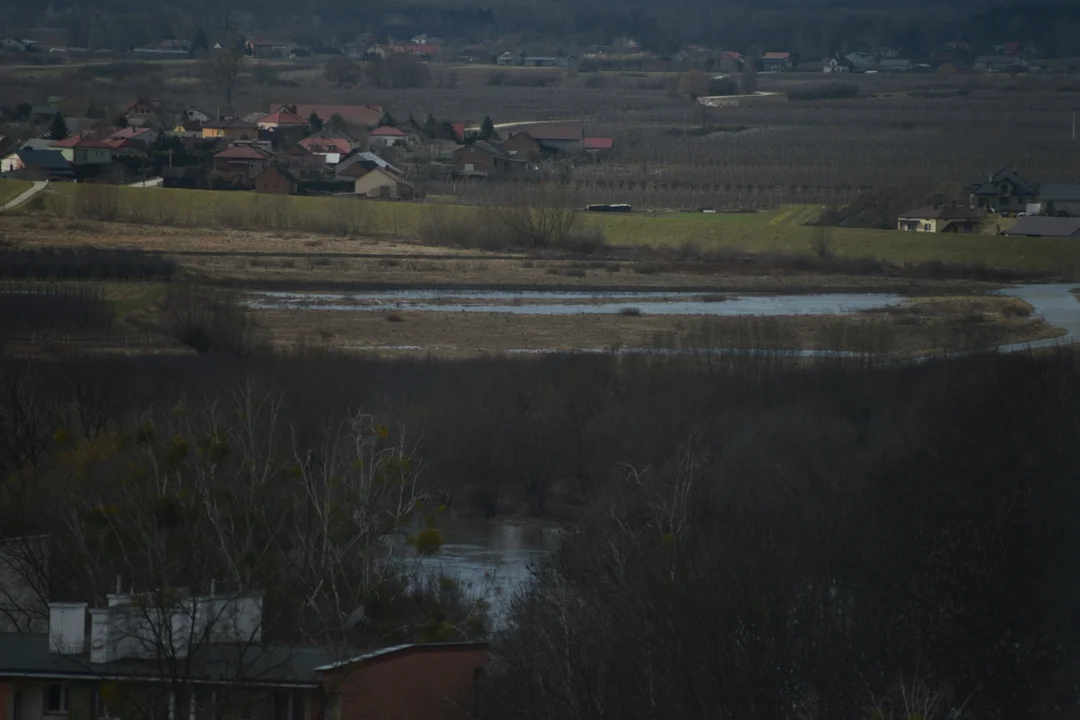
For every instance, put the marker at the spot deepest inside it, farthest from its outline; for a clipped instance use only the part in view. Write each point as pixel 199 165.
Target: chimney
pixel 67 628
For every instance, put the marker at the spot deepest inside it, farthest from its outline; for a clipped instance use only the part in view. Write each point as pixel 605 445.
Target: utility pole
pixel 1074 126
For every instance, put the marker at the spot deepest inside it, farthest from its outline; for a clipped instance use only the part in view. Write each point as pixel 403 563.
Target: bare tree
pixel 537 215
pixel 220 72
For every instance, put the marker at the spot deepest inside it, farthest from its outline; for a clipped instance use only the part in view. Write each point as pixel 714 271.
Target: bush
pixel 824 91
pixel 211 321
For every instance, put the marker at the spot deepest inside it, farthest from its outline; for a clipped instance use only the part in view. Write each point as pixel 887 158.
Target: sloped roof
pixel 1039 226
pixel 47 159
pixel 776 56
pixel 129 133
pixel 989 187
pixel 366 160
pixel 282 170
pixel 77 141
pixel 283 116
pixel 387 131
pixel 363 115
pixel 241 152
pixel 553 131
pixel 599 143
pixel 1059 192
pixel 327 143
pixel 492 148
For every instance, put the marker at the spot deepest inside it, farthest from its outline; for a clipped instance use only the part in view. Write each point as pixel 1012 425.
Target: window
pixel 56 699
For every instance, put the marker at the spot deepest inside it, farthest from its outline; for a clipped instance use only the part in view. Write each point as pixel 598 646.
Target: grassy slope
pixel 11 189
pixel 778 231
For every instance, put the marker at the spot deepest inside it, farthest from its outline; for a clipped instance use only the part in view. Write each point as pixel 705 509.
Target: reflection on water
pixel 492 560
pixel 578 303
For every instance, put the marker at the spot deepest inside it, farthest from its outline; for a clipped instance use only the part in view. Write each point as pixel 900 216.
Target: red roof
pixel 599 143
pixel 387 131
pixel 128 133
pixel 317 144
pixel 776 56
pixel 241 152
pixel 78 141
pixel 363 115
pixel 281 116
pixel 421 49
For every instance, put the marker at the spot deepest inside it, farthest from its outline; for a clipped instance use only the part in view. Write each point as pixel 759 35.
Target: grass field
pixel 11 189
pixel 778 231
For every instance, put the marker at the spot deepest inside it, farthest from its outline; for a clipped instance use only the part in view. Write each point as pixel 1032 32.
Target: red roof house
pixel 387 136
pixel 284 117
pixel 241 162
pixel 599 143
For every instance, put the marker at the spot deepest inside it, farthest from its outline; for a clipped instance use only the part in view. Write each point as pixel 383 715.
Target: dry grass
pixel 929 325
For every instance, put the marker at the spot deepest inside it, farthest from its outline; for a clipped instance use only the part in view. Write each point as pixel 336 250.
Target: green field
pixel 11 189
pixel 779 231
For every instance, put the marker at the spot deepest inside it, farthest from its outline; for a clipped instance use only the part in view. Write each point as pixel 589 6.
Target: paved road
pixel 25 197
pixel 1054 303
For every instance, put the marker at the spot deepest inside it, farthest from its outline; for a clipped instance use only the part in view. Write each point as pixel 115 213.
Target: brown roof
pixel 283 116
pixel 553 131
pixel 241 152
pixel 363 115
pixel 943 213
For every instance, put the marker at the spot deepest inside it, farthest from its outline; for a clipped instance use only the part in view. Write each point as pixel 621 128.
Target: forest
pixel 753 536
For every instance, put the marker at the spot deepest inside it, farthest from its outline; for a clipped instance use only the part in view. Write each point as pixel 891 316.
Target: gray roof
pixel 1059 192
pixel 45 159
pixel 28 655
pixel 1039 226
pixel 990 186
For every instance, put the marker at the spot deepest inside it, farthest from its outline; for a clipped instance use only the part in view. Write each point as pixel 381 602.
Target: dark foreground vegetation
pixel 750 536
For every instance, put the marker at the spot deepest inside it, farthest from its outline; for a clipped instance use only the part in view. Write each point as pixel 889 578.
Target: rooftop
pixel 599 143
pixel 77 141
pixel 553 131
pixel 387 131
pixel 1039 226
pixel 943 213
pixel 283 116
pixel 241 152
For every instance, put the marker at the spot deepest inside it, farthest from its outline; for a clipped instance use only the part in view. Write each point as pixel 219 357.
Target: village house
pixel 301 161
pixel 29 163
pixel 330 147
pixel 105 662
pixel 81 151
pixel 1058 199
pixel 241 163
pixel 260 48
pixel 776 62
pixel 276 179
pixel 230 129
pixel 132 140
pixel 385 137
pixel 284 118
pixel 940 219
pixel 381 182
pixel 140 112
pixel 484 159
pixel 1004 192
pixel 523 146
pixel 555 138
pixel 358 164
pixel 508 58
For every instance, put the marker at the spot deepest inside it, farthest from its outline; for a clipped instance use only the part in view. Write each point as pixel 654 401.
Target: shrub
pixel 211 321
